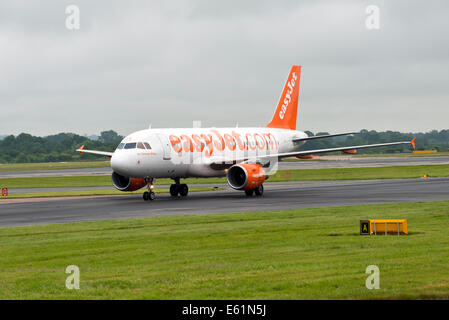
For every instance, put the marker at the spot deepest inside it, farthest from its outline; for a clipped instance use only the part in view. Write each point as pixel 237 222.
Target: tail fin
pixel 287 109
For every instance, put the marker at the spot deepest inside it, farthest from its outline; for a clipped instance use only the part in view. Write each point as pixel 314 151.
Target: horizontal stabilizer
pixel 102 153
pixel 324 136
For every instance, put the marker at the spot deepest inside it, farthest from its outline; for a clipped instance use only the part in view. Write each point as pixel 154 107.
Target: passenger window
pixel 131 145
pixel 147 145
pixel 140 145
pixel 120 146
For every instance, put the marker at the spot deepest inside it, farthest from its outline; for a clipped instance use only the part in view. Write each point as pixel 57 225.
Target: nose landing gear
pixel 149 195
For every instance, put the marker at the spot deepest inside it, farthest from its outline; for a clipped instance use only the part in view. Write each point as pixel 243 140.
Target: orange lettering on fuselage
pixel 221 144
pixel 271 141
pixel 206 142
pixel 175 143
pixel 188 146
pixel 209 143
pixel 260 144
pixel 239 142
pixel 251 145
pixel 230 142
pixel 199 145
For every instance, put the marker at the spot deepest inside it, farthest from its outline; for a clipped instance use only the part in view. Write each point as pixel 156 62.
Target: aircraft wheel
pixel 249 193
pixel 183 190
pixel 146 196
pixel 174 190
pixel 151 196
pixel 259 190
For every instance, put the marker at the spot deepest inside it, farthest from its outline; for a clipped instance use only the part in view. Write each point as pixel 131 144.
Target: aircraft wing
pixel 319 151
pixel 102 153
pixel 230 162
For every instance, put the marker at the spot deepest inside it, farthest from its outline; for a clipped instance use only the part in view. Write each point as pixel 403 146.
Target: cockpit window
pixel 147 145
pixel 131 145
pixel 140 145
pixel 120 146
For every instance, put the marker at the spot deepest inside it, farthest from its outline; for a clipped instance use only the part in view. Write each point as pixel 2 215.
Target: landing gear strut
pixel 249 192
pixel 178 188
pixel 258 191
pixel 149 195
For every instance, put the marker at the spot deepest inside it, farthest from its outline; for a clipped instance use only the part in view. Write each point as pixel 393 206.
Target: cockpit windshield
pixel 134 145
pixel 131 145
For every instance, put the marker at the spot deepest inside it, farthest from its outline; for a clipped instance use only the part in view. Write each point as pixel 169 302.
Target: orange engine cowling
pixel 123 183
pixel 309 156
pixel 246 176
pixel 350 151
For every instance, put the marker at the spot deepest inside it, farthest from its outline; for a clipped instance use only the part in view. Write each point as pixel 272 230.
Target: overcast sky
pixel 167 63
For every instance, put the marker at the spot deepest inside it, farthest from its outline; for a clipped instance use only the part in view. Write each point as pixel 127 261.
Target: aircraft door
pixel 165 143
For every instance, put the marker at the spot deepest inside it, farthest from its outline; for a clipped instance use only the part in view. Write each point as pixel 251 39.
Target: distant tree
pixel 110 137
pixel 21 158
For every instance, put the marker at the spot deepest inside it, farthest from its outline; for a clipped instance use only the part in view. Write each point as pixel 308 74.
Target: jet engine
pixel 123 183
pixel 246 176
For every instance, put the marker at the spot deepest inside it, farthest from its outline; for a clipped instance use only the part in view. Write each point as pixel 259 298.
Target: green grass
pixel 100 164
pixel 399 172
pixel 282 175
pixel 373 155
pixel 296 254
pixel 402 155
pixel 52 165
pixel 56 182
pixel 95 193
pixel 81 181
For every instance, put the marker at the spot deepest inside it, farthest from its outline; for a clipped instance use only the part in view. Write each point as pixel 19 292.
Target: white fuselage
pixel 195 152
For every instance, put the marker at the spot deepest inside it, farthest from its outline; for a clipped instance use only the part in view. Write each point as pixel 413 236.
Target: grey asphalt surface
pixel 56 173
pixel 160 186
pixel 352 162
pixel 324 162
pixel 278 196
pixel 37 190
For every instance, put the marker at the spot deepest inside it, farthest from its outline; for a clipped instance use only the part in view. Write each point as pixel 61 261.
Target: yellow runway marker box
pixel 383 227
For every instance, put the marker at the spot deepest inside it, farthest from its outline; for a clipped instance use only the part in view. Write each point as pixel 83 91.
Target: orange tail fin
pixel 287 109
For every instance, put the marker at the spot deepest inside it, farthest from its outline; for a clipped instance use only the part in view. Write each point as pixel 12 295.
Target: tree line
pixel 25 148
pixel 433 140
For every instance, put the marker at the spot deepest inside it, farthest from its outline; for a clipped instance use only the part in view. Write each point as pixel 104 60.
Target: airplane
pixel 242 155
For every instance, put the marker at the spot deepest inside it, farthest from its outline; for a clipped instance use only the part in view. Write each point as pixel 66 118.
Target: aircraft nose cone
pixel 119 163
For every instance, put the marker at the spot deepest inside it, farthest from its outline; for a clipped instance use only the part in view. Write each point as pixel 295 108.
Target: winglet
pixel 413 142
pixel 80 149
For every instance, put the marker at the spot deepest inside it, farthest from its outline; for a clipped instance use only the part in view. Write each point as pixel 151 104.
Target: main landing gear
pixel 175 189
pixel 178 189
pixel 258 191
pixel 149 195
